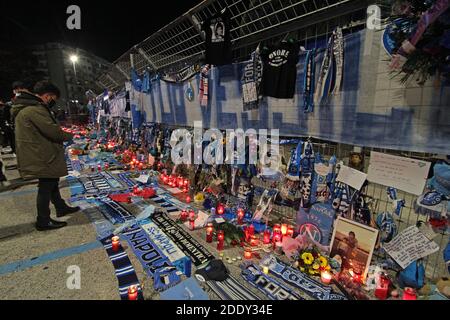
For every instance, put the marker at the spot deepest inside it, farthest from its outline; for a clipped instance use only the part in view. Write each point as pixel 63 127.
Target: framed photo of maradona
pixel 353 243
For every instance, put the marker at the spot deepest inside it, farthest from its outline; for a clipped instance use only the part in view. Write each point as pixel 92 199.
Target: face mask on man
pixel 51 103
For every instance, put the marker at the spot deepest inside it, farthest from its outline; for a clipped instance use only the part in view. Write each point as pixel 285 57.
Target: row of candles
pixel 176 181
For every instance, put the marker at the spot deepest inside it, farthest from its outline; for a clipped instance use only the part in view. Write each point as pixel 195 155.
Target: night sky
pixel 108 28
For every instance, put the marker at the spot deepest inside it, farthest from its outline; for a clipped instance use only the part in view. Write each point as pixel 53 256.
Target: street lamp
pixel 74 59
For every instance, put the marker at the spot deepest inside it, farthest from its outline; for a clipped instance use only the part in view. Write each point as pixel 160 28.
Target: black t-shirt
pixel 280 70
pixel 218 39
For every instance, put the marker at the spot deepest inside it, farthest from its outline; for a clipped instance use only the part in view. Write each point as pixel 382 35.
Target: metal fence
pixel 182 42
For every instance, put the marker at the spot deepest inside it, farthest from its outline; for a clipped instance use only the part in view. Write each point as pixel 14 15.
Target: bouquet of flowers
pixel 312 262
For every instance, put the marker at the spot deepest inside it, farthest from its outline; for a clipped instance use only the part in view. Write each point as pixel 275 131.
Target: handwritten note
pixel 351 177
pixel 405 174
pixel 409 246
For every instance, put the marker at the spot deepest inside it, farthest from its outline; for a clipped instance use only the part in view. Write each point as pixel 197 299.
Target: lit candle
pixel 106 166
pixel 184 215
pixel 249 232
pixel 186 182
pixel 141 166
pixel 290 231
pixel 240 215
pixel 188 199
pixel 357 277
pixel 266 270
pixel 254 241
pixel 409 294
pixel 115 243
pixel 277 229
pixel 192 223
pixel 209 232
pixel 248 254
pixel 132 293
pixel 220 239
pixel 284 229
pixel 220 209
pixel 326 277
pixel 381 292
pixel 266 236
pixel 99 167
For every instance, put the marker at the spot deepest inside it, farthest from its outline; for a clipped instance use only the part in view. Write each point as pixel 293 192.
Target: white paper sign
pixel 409 246
pixel 351 177
pixel 174 190
pixel 143 178
pixel 409 175
pixel 201 220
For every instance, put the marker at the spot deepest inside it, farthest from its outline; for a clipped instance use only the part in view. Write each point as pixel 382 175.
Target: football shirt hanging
pixel 218 39
pixel 280 70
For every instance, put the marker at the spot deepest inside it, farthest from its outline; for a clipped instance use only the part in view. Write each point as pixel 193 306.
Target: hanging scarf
pixel 270 287
pixel 251 81
pixel 306 176
pixel 204 86
pixel 308 82
pixel 330 76
pixel 294 163
pixel 338 51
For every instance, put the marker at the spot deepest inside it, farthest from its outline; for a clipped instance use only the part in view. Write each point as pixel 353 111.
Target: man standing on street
pixel 40 150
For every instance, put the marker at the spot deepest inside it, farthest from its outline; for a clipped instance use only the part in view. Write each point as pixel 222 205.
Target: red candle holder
pixel 277 229
pixel 185 182
pixel 266 236
pixel 188 199
pixel 106 166
pixel 220 209
pixel 381 292
pixel 209 232
pixel 132 293
pixel 220 240
pixel 254 241
pixel 284 228
pixel 192 223
pixel 290 231
pixel 248 254
pixel 184 215
pixel 240 215
pixel 115 243
pixel 409 294
pixel 249 232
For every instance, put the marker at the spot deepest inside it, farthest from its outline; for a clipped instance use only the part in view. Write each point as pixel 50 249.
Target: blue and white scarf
pixel 270 287
pixel 299 280
pixel 309 81
pixel 152 258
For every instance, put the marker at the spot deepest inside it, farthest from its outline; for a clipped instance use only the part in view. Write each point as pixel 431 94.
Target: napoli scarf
pixel 299 280
pixel 294 163
pixel 168 247
pixel 251 82
pixel 330 77
pixel 152 258
pixel 309 81
pixel 125 273
pixel 270 287
pixel 198 253
pixel 204 86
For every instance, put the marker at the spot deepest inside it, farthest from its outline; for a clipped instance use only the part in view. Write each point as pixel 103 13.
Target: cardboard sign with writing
pixel 409 246
pixel 409 175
